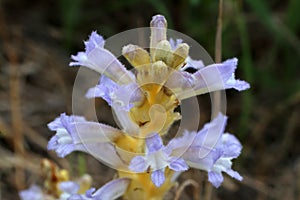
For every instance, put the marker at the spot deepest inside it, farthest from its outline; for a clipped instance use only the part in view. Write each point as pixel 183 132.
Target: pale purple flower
pixel 206 79
pixel 101 60
pixel 76 134
pixel 68 189
pixel 157 158
pixel 33 193
pixel 123 96
pixel 62 142
pixel 229 148
pixel 110 191
pixel 210 149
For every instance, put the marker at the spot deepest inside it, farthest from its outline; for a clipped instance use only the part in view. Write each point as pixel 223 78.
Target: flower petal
pixel 208 150
pixel 203 141
pixel 104 89
pixel 80 136
pixel 178 145
pixel 203 163
pixel 154 143
pixel 69 187
pixel 123 95
pixel 210 135
pixel 58 122
pixel 178 164
pixel 138 164
pixel 231 146
pixel 33 193
pixel 112 190
pixel 121 98
pixel 236 84
pixel 234 174
pixel 158 177
pixel 95 41
pixel 215 178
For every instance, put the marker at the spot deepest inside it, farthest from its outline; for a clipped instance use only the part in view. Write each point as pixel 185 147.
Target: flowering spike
pixel 144 105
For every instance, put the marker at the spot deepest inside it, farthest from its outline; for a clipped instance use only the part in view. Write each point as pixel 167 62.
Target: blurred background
pixel 38 37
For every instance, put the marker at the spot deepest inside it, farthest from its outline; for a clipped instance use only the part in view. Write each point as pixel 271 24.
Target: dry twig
pixel 184 185
pixel 15 101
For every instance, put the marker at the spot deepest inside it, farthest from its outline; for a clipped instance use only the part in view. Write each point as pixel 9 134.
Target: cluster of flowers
pixel 144 101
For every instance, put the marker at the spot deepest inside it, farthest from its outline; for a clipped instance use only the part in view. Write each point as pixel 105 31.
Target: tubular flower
pixel 144 101
pixel 110 191
pixel 214 155
pixel 33 193
pixel 74 133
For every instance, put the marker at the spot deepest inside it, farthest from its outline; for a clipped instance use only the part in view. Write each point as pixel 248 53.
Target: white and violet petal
pixel 33 193
pixel 209 149
pixel 90 137
pixel 138 164
pixel 101 60
pixel 110 191
pixel 207 79
pixel 158 177
pixel 157 158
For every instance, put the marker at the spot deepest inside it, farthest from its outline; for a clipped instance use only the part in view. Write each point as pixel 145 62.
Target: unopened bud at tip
pixel 158 21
